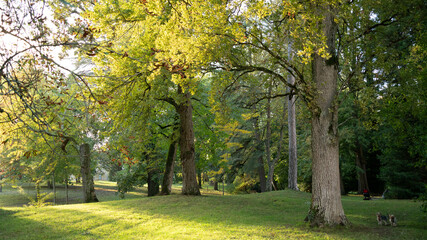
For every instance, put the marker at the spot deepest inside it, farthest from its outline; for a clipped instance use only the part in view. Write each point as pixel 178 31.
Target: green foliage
pixel 41 198
pixel 423 199
pixel 129 177
pixel 243 184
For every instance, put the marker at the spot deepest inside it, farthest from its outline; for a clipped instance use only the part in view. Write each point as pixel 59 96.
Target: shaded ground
pixel 273 215
pixel 105 191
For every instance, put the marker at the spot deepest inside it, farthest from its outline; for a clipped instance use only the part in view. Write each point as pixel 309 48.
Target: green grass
pixel 274 215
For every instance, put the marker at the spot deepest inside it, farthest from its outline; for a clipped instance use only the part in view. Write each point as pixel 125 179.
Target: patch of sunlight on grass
pixel 273 215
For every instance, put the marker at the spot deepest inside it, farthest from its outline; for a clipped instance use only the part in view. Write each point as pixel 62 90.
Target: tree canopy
pixel 188 91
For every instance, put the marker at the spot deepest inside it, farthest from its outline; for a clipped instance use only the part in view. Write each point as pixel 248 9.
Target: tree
pixel 31 76
pixel 326 206
pixel 319 89
pixel 87 178
pixel 292 132
pixel 164 60
pixel 380 42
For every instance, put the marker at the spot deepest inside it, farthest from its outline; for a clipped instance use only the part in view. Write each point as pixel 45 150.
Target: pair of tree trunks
pixel 186 145
pixel 326 207
pixel 85 171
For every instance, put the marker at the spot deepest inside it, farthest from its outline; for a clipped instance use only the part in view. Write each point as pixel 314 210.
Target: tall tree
pixel 326 206
pixel 156 46
pixel 292 131
pixel 319 89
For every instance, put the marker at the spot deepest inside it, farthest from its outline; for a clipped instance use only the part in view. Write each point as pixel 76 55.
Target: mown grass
pixel 274 215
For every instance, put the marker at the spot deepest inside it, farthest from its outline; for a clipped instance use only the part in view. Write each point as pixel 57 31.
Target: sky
pixel 11 45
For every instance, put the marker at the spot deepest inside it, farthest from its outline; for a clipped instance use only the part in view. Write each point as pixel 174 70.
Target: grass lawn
pixel 273 215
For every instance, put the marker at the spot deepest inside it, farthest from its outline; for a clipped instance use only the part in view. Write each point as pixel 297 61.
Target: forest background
pixel 320 96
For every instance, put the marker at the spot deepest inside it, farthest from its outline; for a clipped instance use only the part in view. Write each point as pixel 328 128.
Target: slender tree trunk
pixel 342 189
pixel 223 183
pixel 261 174
pixel 215 185
pixel 186 145
pixel 87 179
pixel 54 188
pixel 292 132
pixel 199 178
pixel 261 169
pixel 326 207
pixel 38 190
pixel 270 174
pixel 169 169
pixel 49 184
pixel 66 191
pixel 362 178
pixel 153 183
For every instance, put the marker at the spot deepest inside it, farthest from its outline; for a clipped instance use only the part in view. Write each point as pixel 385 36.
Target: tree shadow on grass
pixel 269 216
pixel 13 226
pixel 273 212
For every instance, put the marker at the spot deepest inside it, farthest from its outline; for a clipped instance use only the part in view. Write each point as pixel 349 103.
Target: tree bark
pixel 54 188
pixel 87 179
pixel 66 190
pixel 186 145
pixel 215 185
pixel 342 189
pixel 261 174
pixel 292 132
pixel 326 207
pixel 153 183
pixel 199 177
pixel 169 169
pixel 362 178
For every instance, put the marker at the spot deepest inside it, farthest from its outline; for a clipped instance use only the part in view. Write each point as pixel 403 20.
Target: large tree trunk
pixel 87 179
pixel 292 133
pixel 326 207
pixel 186 145
pixel 362 178
pixel 169 169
